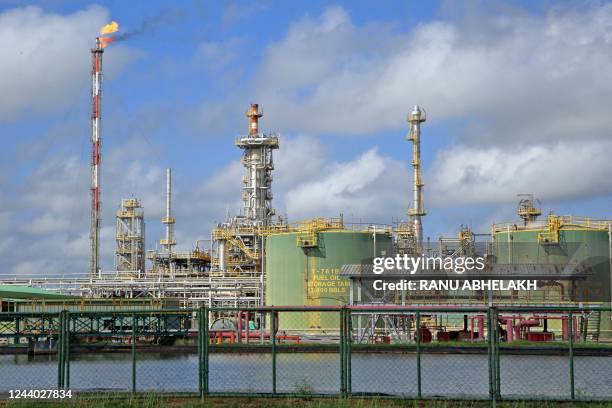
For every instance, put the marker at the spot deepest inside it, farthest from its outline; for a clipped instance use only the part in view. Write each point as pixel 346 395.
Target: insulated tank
pixel 302 270
pixel 565 241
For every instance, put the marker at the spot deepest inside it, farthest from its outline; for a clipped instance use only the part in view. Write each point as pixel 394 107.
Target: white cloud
pixel 298 159
pixel 522 76
pixel 50 209
pixel 533 90
pixel 525 80
pixel 308 182
pixel 465 175
pixel 46 57
pixel 46 224
pixel 368 187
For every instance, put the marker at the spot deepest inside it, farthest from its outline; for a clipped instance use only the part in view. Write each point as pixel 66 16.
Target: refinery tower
pixel 238 240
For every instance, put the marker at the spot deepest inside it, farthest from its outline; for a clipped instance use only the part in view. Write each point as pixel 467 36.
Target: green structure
pixel 26 292
pixel 24 299
pixel 303 265
pixel 563 241
pixel 567 242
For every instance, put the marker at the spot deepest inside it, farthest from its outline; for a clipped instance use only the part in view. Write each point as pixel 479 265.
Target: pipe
pixel 510 329
pixel 565 328
pixel 221 255
pixel 239 326
pixel 471 327
pixel 523 325
pixel 575 329
pixel 248 325
pixel 481 320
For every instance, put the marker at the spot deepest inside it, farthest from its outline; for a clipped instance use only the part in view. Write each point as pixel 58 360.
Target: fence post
pixel 418 353
pixel 342 353
pixel 496 360
pixel 200 357
pixel 571 354
pixel 349 339
pixel 133 354
pixel 273 340
pixel 60 351
pixel 67 350
pixel 205 355
pixel 490 352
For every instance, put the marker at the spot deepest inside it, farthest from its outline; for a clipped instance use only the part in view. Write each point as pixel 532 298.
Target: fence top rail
pixel 552 308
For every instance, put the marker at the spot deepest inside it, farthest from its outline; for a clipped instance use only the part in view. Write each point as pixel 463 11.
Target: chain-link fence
pixel 560 353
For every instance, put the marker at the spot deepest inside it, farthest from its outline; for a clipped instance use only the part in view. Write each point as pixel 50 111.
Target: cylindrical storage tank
pixel 302 271
pixel 528 246
pixel 574 245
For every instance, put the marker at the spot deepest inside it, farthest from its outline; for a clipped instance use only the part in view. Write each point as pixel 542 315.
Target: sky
pixel 516 93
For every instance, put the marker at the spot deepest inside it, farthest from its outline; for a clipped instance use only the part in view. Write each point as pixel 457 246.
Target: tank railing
pixel 324 224
pixel 564 220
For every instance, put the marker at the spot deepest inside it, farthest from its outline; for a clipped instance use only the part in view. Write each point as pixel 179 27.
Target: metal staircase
pixel 593 325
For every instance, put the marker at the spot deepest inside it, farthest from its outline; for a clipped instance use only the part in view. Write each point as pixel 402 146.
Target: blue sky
pixel 516 93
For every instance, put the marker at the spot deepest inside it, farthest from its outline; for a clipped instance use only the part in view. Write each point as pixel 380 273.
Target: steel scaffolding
pixel 130 237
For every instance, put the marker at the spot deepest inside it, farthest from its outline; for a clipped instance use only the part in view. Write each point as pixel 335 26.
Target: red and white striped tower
pixel 96 94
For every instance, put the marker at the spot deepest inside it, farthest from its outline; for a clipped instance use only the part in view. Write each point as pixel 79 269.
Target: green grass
pixel 152 401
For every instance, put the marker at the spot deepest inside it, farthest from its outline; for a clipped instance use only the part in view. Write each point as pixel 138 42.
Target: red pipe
pixel 472 328
pixel 239 326
pixel 565 328
pixel 510 329
pixel 248 325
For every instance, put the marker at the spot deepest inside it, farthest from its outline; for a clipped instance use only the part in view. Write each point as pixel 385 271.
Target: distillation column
pixel 168 242
pixel 239 240
pixel 96 93
pixel 417 210
pixel 257 160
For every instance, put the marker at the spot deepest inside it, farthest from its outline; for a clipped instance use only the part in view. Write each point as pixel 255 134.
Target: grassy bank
pixel 157 402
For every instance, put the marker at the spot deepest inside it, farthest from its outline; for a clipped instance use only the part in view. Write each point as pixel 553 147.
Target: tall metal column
pixel 96 94
pixel 168 242
pixel 418 209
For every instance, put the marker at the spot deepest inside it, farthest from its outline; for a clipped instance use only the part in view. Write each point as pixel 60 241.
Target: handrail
pixel 564 221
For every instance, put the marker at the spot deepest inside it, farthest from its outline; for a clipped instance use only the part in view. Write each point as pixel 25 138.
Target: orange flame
pixel 110 28
pixel 104 41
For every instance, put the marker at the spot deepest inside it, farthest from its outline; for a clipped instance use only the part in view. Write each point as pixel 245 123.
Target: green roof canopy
pixel 26 292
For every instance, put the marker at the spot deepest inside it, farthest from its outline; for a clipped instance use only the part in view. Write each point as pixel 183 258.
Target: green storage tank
pixel 525 245
pixel 302 270
pixel 562 240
